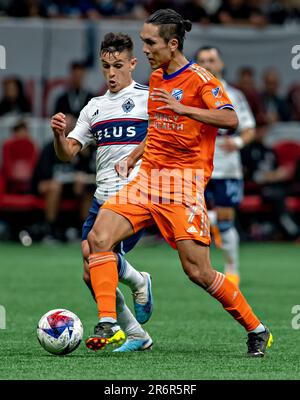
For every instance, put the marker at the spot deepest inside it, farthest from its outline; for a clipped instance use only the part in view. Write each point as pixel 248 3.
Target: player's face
pixel 117 68
pixel 210 60
pixel 155 48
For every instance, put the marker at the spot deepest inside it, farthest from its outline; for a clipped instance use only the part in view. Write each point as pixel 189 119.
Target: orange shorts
pixel 175 221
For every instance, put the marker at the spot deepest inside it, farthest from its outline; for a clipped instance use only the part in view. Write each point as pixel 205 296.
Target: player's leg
pixel 227 195
pixel 195 260
pixel 186 228
pixel 109 229
pixel 86 268
pixel 139 282
pixel 230 243
pixel 51 190
pixel 137 338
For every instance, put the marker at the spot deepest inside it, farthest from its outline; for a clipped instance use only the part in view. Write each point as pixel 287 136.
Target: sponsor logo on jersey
pixel 128 105
pixel 177 94
pixel 95 113
pixel 217 92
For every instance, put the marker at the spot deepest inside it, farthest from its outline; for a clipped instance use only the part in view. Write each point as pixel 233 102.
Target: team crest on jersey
pixel 177 94
pixel 128 105
pixel 217 92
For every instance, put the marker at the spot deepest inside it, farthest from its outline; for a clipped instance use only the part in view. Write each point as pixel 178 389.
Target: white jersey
pixel 228 165
pixel 118 123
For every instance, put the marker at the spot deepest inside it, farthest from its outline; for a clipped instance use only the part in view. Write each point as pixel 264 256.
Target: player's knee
pixel 201 275
pixel 99 241
pixel 225 213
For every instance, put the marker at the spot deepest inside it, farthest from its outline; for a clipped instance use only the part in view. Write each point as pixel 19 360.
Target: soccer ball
pixel 59 331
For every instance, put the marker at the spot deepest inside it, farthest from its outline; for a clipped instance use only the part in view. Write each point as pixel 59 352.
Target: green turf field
pixel 193 337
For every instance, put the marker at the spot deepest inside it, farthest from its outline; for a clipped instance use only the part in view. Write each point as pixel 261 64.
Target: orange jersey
pixel 176 141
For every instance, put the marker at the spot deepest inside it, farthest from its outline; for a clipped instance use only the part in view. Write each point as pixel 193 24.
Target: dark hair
pixel 171 25
pixel 19 125
pixel 246 70
pixel 207 48
pixel 116 42
pixel 77 65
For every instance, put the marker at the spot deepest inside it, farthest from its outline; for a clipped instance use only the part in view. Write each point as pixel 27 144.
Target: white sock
pixel 259 329
pixel 108 319
pixel 230 247
pixel 129 275
pixel 125 318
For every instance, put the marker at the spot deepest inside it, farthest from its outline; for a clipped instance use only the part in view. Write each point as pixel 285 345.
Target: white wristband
pixel 238 141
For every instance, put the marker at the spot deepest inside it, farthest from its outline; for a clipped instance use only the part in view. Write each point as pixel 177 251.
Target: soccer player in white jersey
pixel 225 189
pixel 118 122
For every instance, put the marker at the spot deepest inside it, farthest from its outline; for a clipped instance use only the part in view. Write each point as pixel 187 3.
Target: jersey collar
pixel 176 73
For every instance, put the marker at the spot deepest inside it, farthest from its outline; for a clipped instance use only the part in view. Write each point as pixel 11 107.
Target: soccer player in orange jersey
pixel 187 105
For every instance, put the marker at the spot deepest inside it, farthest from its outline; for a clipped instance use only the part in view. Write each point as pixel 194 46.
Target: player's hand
pixel 171 103
pixel 124 167
pixel 59 124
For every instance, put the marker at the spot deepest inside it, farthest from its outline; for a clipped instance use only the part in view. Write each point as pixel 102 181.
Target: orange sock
pixel 232 300
pixel 104 279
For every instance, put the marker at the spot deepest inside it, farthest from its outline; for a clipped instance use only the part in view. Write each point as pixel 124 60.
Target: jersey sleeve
pixel 82 131
pixel 214 96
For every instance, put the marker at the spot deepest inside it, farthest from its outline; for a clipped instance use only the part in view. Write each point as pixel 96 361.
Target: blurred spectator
pixel 283 11
pixel 27 8
pixel 13 99
pixel 293 100
pixel 276 107
pixel 239 12
pixel 211 6
pixel 55 180
pixel 264 176
pixel 246 83
pixel 62 8
pixel 76 96
pixel 194 11
pixel 19 156
pixel 154 5
pixel 95 9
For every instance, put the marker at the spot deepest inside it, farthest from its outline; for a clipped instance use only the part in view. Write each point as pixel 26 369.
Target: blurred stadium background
pixel 51 63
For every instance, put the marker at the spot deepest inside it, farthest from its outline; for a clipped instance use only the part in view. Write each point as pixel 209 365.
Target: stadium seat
pixel 19 157
pixel 28 202
pixel 288 152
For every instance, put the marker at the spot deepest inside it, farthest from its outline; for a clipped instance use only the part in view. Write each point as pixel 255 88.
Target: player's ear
pixel 173 44
pixel 133 63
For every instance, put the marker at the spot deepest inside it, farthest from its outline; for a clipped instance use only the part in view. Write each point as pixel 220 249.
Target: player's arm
pixel 238 142
pixel 65 148
pixel 223 118
pixel 246 126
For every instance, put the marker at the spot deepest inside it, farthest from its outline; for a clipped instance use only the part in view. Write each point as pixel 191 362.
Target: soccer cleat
pixel 135 343
pixel 258 343
pixel 143 300
pixel 105 333
pixel 234 278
